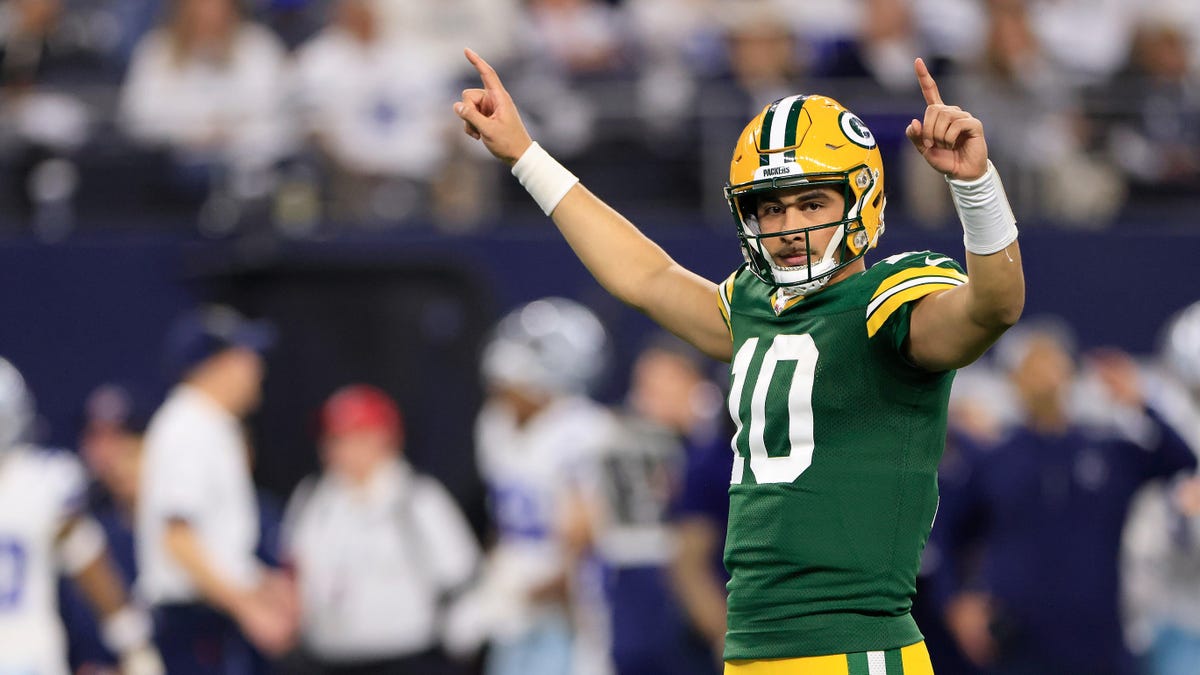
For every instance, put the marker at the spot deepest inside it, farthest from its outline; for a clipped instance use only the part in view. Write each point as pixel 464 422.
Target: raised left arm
pixel 953 328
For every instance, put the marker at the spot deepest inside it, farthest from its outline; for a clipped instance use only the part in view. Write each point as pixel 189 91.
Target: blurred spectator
pixel 110 444
pixel 208 88
pixel 677 44
pixel 1161 551
pixel 1035 128
pixel 951 29
pixel 1156 138
pixel 197 521
pixel 446 26
pixel 821 23
pixel 377 547
pixel 537 442
pixel 1046 505
pixel 44 529
pixel 700 518
pixel 375 105
pixel 763 53
pixel 883 49
pixel 1085 40
pixel 580 38
pixel 563 46
pixel 982 404
pixel 44 57
pixel 670 403
pixel 978 414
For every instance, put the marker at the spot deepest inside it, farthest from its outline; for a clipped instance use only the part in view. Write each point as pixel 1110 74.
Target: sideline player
pixel 43 528
pixel 840 373
pixel 537 440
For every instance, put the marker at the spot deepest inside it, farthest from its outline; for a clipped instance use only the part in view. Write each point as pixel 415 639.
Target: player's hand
pixel 489 114
pixel 949 138
pixel 143 660
pixel 1119 374
pixel 270 629
pixel 969 618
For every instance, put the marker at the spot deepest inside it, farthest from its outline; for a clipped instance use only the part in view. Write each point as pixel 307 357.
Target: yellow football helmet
pixel 807 140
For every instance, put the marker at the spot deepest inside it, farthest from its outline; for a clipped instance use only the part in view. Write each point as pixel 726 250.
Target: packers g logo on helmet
pixel 799 141
pixel 856 130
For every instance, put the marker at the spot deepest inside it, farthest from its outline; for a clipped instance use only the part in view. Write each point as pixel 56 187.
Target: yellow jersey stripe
pixel 882 298
pixel 919 288
pixel 910 660
pixel 913 272
pixel 724 298
pixel 833 664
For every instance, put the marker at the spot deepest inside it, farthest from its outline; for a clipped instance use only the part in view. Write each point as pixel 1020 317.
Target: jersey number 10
pixel 781 468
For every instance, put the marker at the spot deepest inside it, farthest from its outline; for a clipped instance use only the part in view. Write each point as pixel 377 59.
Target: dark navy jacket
pixel 1046 513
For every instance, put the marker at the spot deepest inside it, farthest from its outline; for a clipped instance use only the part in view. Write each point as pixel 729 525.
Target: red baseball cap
pixel 358 407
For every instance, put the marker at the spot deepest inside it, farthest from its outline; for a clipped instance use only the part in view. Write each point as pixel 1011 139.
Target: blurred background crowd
pixel 299 116
pixel 400 436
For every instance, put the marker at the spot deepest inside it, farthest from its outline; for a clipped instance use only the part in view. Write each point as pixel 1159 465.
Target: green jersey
pixel 838 440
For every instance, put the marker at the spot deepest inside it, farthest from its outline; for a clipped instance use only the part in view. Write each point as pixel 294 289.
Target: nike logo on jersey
pixel 931 261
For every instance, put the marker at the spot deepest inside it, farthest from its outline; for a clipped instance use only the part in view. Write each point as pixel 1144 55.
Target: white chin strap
pixel 796 278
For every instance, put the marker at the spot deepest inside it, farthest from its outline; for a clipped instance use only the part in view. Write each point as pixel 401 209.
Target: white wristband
pixel 128 629
pixel 987 218
pixel 543 177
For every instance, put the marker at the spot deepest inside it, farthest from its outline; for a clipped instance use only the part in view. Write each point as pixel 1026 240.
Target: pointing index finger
pixel 491 81
pixel 929 87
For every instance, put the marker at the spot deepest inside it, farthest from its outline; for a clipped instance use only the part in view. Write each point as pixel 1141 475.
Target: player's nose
pixel 793 220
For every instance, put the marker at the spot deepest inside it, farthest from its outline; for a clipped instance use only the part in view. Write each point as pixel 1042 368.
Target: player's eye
pixel 769 209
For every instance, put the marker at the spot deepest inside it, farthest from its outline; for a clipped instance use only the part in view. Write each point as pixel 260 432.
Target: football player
pixel 840 372
pixel 43 529
pixel 537 440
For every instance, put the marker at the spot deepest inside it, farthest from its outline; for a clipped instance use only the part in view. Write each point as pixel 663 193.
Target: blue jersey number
pixel 12 573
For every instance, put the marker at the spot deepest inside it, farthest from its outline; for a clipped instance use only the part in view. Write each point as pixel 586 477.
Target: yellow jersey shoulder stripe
pixel 913 272
pixel 883 306
pixel 725 298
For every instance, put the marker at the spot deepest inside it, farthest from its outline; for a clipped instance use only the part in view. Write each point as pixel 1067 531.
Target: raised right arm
pixel 628 264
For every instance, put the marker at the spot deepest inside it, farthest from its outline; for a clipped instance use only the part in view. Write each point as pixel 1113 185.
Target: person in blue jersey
pixel 670 413
pixel 1047 504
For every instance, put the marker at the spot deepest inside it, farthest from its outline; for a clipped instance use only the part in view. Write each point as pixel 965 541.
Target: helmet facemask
pixel 849 242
